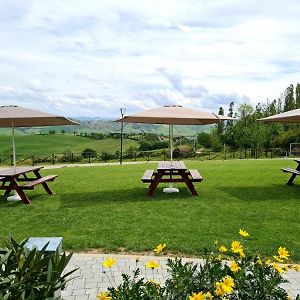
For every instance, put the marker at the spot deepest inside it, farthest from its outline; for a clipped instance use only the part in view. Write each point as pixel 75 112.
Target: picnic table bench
pixel 174 171
pixel 294 172
pixel 12 177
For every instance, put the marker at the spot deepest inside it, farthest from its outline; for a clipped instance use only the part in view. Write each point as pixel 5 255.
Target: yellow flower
pixel 297 268
pixel 220 289
pixel 243 233
pixel 236 247
pixel 283 253
pixel 225 286
pixel 228 281
pixel 222 249
pixel 278 268
pixel 159 248
pixel 259 262
pixel 268 262
pixel 151 264
pixel 199 296
pixel 278 258
pixel 219 257
pixel 234 267
pixel 209 296
pixel 242 253
pixel 103 296
pixel 109 262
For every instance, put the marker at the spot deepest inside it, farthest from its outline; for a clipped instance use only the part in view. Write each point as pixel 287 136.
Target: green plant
pixel 31 274
pixel 224 274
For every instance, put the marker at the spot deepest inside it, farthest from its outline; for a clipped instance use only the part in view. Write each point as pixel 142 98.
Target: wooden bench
pixel 30 185
pixel 289 170
pixel 196 177
pixel 147 177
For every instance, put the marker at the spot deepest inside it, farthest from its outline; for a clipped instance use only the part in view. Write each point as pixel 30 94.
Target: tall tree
pixel 297 94
pixel 220 125
pixel 230 114
pixel 289 99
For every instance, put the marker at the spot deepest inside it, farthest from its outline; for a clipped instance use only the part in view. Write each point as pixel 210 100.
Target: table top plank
pixel 168 165
pixel 11 172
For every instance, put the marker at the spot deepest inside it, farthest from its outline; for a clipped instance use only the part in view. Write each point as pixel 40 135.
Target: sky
pixel 92 57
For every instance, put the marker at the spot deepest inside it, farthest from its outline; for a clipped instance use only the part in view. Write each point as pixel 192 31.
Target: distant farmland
pixel 34 144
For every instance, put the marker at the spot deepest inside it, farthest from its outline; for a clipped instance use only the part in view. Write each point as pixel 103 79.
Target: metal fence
pixel 104 157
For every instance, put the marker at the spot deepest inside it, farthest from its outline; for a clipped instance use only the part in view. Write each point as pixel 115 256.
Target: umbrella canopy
pixel 292 116
pixel 16 116
pixel 176 115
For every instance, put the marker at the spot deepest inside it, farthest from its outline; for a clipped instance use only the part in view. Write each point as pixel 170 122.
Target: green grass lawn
pixel 107 207
pixel 58 143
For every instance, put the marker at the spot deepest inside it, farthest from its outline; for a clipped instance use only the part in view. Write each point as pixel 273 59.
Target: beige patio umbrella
pixel 17 116
pixel 292 116
pixel 174 115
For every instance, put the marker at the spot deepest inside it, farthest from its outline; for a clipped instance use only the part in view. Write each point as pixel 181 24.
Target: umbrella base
pixel 14 198
pixel 170 190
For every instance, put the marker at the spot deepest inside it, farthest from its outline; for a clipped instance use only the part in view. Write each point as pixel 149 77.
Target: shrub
pixel 224 274
pixel 88 152
pixel 31 274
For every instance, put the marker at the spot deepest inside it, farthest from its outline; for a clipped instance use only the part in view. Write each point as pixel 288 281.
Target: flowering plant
pixel 227 272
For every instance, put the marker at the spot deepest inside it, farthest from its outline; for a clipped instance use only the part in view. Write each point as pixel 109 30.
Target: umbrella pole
pixel 171 189
pixel 15 197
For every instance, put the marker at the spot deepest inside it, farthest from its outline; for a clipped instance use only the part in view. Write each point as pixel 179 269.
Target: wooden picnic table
pixel 12 177
pixel 294 172
pixel 174 171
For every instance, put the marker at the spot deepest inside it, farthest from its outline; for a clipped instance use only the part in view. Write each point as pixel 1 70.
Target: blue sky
pixel 89 58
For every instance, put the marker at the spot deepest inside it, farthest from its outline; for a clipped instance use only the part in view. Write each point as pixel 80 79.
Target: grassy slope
pixel 58 143
pixel 107 207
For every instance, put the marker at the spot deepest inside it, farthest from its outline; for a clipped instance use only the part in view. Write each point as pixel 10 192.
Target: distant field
pixel 58 143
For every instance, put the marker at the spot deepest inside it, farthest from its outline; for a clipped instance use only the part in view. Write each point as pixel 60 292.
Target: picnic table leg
pixel 291 180
pixel 188 183
pixel 14 186
pixel 44 184
pixel 155 183
pixel 293 176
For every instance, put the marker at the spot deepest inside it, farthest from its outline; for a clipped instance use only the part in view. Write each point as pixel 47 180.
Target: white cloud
pixel 102 55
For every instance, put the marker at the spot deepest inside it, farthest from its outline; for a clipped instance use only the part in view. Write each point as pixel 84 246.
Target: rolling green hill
pixel 58 143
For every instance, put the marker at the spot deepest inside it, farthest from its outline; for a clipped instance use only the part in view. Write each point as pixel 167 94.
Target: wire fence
pixel 133 156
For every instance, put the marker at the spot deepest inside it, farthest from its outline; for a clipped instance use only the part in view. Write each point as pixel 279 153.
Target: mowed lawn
pixel 106 207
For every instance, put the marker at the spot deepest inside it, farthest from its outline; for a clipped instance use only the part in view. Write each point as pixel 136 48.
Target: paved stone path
pixel 90 278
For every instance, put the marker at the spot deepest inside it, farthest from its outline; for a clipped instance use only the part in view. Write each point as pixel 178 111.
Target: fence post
pixel 11 160
pixel 32 160
pixel 266 153
pixel 72 157
pixel 134 155
pixel 225 155
pixel 209 155
pixel 89 157
pixel 271 153
pixel 148 156
pixel 245 153
pixel 52 158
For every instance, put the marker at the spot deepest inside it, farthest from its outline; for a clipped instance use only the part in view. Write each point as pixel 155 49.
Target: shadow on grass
pixel 129 195
pixel 78 199
pixel 281 192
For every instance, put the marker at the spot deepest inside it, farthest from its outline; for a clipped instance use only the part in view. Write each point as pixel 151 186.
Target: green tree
pixel 220 125
pixel 289 99
pixel 297 94
pixel 204 139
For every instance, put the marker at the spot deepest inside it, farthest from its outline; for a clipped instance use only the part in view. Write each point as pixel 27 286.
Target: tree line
pixel 247 132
